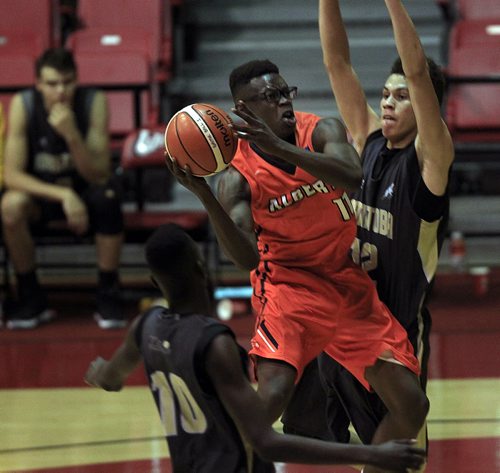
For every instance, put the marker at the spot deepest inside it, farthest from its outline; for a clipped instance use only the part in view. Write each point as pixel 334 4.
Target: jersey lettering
pixel 373 219
pixel 192 419
pixel 296 195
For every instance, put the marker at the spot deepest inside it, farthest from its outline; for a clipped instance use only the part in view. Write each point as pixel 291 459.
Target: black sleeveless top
pixel 48 154
pixel 201 436
pixel 401 227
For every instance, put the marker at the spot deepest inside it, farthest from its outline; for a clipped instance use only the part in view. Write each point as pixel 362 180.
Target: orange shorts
pixel 301 313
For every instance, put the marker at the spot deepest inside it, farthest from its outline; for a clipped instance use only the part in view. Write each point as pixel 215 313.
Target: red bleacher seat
pixel 116 58
pixel 474 60
pixel 27 28
pixel 478 9
pixel 124 46
pixel 151 18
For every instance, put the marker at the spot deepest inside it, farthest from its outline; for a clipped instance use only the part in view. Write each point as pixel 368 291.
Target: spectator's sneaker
pixel 110 313
pixel 28 314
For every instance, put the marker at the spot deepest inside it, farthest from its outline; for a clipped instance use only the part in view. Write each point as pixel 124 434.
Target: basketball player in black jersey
pixel 401 207
pixel 198 376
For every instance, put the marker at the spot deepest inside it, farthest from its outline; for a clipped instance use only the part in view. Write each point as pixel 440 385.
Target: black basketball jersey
pixel 201 436
pixel 397 247
pixel 48 154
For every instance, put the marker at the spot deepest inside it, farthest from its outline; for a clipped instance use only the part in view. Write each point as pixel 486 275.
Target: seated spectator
pixel 58 166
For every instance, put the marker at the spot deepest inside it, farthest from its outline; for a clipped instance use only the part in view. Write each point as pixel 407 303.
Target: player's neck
pixel 197 302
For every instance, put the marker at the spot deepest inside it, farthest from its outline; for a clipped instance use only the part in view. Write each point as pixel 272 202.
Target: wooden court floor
pixel 51 422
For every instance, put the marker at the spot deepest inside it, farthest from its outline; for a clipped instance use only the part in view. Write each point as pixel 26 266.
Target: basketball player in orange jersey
pixel 282 212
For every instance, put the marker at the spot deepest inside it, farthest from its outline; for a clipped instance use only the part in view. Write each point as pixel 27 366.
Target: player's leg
pixel 363 409
pixel 309 408
pixel 18 211
pixel 407 405
pixel 106 220
pixel 276 380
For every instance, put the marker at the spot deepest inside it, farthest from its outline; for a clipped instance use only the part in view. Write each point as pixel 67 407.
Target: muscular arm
pixel 111 375
pixel 91 154
pixel 246 409
pixel 230 216
pixel 358 116
pixel 433 142
pixel 333 159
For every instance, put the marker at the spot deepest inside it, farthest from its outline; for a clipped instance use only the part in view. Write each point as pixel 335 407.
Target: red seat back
pixel 151 17
pixel 474 53
pixel 27 28
pixel 478 9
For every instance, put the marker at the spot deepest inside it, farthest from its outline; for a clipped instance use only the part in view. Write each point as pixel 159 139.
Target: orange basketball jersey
pixel 301 221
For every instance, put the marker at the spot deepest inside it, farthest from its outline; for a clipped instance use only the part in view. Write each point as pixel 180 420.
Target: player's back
pixel 201 435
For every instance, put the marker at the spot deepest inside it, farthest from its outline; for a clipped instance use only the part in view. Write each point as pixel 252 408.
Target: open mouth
pixel 289 117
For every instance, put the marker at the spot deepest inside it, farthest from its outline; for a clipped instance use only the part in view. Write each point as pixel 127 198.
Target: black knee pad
pixel 105 209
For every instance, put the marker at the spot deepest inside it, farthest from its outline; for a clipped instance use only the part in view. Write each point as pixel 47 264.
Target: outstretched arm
pixel 223 365
pixel 111 375
pixel 358 116
pixel 433 143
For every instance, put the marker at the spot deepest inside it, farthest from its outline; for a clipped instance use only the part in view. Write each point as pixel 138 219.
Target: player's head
pixel 176 264
pixel 56 75
pixel 259 84
pixel 435 72
pixel 399 124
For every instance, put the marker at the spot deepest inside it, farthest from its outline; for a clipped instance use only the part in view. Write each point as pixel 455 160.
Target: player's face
pixel 270 98
pixel 399 125
pixel 56 86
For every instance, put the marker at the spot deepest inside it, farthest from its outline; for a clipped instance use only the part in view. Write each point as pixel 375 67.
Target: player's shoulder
pixel 233 185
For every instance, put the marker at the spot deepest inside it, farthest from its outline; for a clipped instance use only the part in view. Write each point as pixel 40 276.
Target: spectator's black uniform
pixel 49 160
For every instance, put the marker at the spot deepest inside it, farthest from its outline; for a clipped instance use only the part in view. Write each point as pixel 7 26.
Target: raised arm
pixel 433 142
pixel 358 116
pixel 245 407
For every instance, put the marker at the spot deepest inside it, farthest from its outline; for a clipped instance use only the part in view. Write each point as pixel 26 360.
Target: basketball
pixel 199 135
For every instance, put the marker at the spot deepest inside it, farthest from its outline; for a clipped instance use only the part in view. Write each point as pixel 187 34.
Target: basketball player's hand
pixel 96 376
pixel 185 177
pixel 254 129
pixel 75 212
pixel 62 119
pixel 398 456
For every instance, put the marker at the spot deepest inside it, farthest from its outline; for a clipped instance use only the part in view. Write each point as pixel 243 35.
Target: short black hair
pixel 168 250
pixel 435 71
pixel 60 59
pixel 244 73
